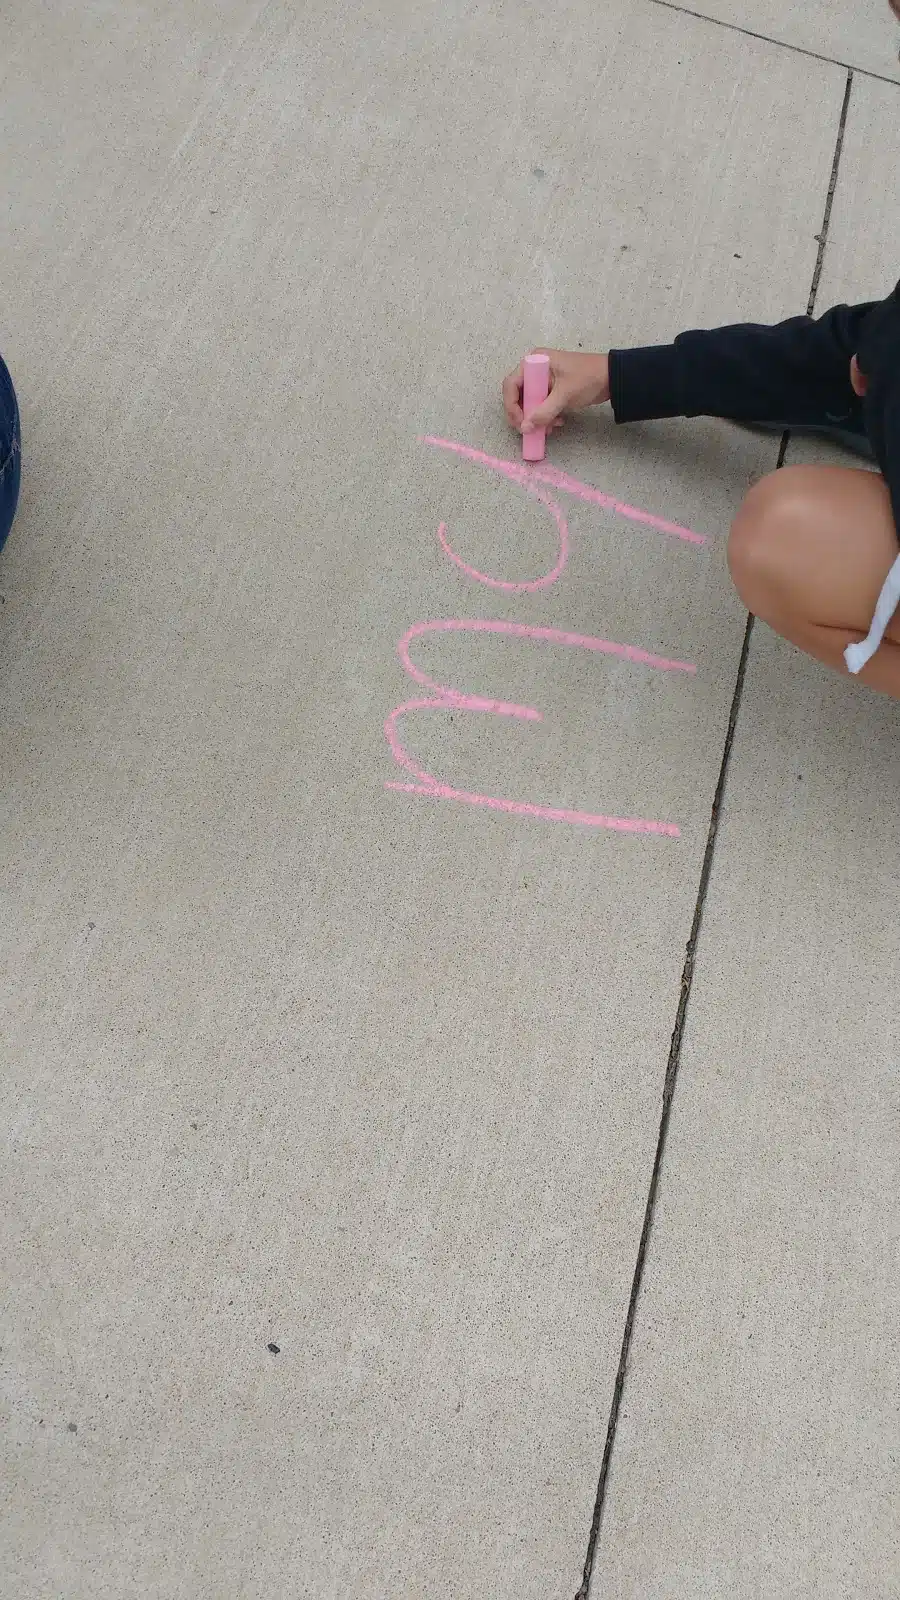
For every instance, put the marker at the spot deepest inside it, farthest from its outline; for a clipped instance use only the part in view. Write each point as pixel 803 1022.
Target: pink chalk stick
pixel 535 389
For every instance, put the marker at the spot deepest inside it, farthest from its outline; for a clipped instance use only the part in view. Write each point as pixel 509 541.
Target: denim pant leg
pixel 10 453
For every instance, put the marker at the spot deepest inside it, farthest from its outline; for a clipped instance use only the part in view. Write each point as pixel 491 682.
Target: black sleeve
pixel 796 372
pixel 879 360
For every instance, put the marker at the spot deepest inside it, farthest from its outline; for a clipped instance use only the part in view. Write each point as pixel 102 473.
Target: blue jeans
pixel 10 453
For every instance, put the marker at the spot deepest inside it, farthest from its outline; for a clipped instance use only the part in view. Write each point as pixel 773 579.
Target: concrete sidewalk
pixel 337 1009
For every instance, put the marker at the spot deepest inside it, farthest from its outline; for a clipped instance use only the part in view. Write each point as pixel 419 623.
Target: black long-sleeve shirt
pixel 797 372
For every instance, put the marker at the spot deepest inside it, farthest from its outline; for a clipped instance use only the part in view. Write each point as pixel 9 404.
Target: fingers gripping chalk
pixel 535 389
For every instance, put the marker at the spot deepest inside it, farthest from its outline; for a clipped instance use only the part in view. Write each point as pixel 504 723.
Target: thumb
pixel 549 410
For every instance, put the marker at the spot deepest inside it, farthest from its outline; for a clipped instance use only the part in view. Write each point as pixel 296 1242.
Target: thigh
pixel 816 543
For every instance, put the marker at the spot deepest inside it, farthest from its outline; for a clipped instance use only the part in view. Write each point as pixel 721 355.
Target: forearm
pixel 795 372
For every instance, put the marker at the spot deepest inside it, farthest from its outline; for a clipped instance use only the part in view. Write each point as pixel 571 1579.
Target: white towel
pixel 856 655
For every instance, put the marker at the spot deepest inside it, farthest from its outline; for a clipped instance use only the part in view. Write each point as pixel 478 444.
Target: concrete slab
pixel 332 1106
pixel 859 33
pixel 757 1453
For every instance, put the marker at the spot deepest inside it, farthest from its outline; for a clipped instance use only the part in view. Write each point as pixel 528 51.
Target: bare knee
pixel 762 543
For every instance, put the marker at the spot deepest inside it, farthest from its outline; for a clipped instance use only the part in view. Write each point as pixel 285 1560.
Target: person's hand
pixel 576 380
pixel 858 380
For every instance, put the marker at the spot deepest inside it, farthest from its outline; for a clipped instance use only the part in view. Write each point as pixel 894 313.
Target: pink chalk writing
pixel 531 478
pixel 522 630
pixel 535 583
pixel 447 698
pixel 536 480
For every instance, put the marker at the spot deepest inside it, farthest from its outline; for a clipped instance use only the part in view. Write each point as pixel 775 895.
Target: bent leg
pixel 809 551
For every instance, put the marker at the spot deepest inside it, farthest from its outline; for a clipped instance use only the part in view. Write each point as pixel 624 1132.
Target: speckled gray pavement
pixel 333 1260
